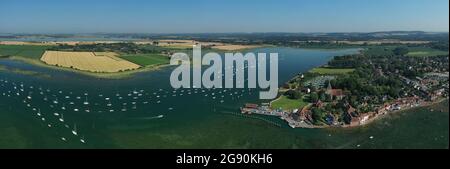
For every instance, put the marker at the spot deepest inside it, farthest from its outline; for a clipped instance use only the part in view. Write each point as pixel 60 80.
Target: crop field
pixel 423 52
pixel 146 59
pixel 88 61
pixel 331 71
pixel 230 47
pixel 29 51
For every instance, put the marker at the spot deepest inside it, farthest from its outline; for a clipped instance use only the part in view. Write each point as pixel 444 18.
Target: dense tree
pixel 293 94
pixel 314 97
pixel 401 51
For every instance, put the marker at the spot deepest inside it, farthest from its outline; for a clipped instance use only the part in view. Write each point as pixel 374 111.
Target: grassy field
pixel 330 71
pixel 423 52
pixel 146 59
pixel 288 104
pixel 88 61
pixel 382 50
pixel 29 51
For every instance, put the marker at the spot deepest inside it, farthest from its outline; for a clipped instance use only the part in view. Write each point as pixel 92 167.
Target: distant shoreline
pixel 114 75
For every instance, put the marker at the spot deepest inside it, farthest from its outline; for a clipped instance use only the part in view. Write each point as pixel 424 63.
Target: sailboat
pixel 74 131
pixel 82 139
pixel 86 101
pixel 61 119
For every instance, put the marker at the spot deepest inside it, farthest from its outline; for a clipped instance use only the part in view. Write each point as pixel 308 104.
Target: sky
pixel 222 16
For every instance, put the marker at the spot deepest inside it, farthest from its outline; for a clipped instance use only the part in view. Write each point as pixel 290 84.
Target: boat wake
pixel 153 117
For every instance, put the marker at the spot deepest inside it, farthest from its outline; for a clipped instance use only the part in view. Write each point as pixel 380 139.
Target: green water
pixel 190 118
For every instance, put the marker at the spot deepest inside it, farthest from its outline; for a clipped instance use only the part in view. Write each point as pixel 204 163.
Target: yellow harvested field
pixel 235 47
pixel 88 61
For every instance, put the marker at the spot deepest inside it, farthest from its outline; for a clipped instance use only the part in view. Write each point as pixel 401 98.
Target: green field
pixel 381 50
pixel 423 52
pixel 29 51
pixel 146 59
pixel 330 71
pixel 288 104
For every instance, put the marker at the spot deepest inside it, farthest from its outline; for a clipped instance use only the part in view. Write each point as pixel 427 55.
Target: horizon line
pixel 256 32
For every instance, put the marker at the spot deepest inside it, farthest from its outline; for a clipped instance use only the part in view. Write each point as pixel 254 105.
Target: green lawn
pixel 330 71
pixel 29 51
pixel 288 104
pixel 423 52
pixel 146 59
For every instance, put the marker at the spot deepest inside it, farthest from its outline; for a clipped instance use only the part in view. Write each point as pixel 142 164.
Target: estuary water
pixel 68 110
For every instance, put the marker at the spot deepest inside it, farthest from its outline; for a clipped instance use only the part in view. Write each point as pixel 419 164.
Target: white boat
pixel 61 119
pixel 74 131
pixel 82 139
pixel 86 101
pixel 39 112
pixel 56 114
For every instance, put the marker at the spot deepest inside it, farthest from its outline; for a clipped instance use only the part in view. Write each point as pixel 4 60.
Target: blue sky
pixel 201 16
